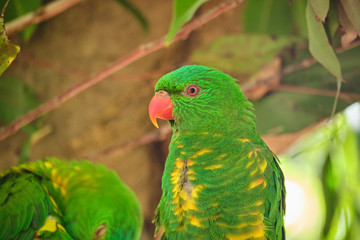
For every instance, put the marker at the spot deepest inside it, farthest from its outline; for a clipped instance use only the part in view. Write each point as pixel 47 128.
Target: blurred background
pixel 273 49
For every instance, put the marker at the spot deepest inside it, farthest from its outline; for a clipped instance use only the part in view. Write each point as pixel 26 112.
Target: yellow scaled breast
pixel 184 193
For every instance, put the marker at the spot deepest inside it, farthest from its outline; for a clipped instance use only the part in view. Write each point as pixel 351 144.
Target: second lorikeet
pixel 220 180
pixel 64 200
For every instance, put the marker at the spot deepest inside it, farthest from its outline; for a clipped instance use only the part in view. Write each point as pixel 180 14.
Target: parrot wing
pixel 24 205
pixel 275 203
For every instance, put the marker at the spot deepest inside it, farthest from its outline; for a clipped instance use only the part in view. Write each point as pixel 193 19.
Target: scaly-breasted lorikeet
pixel 220 180
pixel 55 199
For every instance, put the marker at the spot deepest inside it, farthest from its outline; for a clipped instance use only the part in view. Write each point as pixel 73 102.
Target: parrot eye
pixel 192 90
pixel 100 231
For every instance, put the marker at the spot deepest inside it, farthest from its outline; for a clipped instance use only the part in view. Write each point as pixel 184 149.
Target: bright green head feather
pixel 217 105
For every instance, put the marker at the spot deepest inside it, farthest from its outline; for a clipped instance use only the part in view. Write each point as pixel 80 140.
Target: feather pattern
pixel 54 199
pixel 220 179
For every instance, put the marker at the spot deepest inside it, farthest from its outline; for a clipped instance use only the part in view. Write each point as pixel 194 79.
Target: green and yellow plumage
pixel 220 179
pixel 54 199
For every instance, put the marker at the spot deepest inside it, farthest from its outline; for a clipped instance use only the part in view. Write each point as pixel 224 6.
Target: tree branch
pixel 164 131
pixel 48 11
pixel 138 53
pixel 349 97
pixel 306 63
pixel 156 135
pixel 51 66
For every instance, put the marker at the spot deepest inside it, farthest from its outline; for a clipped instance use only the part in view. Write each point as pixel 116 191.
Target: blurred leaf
pixel 18 8
pixel 332 21
pixel 331 199
pixel 8 51
pixel 242 54
pixel 136 13
pixel 25 151
pixel 350 33
pixel 268 16
pixel 321 8
pixel 319 45
pixel 15 100
pixel 183 11
pixel 339 156
pixel 345 162
pixel 352 10
pixel 298 9
pixel 284 112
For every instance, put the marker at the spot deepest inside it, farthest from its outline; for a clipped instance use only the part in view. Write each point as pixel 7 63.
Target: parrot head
pixel 196 98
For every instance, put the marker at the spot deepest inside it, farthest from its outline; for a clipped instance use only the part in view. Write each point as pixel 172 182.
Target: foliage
pixel 278 28
pixel 8 50
pixel 319 44
pixel 253 51
pixel 183 11
pixel 135 12
pixel 331 154
pixel 276 18
pixel 17 99
pixel 18 8
pixel 286 111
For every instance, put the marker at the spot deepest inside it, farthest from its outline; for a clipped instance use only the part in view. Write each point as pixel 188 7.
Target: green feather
pixel 220 179
pixel 80 197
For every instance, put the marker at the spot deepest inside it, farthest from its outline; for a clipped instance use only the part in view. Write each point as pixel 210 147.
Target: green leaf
pixel 331 152
pixel 321 8
pixel 18 8
pixel 298 9
pixel 349 32
pixel 242 54
pixel 344 20
pixel 15 100
pixel 352 10
pixel 8 51
pixel 319 44
pixel 290 111
pixel 136 13
pixel 183 11
pixel 332 22
pixel 268 16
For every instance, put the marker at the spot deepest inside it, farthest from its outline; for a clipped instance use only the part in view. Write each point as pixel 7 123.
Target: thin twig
pixel 349 97
pixel 46 12
pixel 156 135
pixel 336 99
pixel 306 63
pixel 132 57
pixel 51 66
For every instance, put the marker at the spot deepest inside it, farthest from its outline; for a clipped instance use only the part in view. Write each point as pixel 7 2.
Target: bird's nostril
pixel 162 93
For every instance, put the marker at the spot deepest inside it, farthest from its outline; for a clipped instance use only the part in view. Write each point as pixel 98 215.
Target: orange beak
pixel 160 107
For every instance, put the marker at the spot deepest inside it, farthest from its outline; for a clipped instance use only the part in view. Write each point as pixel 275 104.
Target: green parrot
pixel 64 200
pixel 220 180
